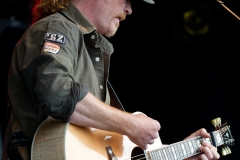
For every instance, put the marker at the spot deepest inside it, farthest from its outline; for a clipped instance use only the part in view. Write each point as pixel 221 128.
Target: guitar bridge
pixel 111 155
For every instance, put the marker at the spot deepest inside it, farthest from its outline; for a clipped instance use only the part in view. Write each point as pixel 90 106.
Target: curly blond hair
pixel 43 8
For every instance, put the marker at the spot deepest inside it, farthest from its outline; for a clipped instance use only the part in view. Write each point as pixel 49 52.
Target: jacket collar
pixel 73 14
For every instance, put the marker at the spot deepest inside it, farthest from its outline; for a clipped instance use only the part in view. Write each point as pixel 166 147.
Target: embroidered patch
pixel 55 37
pixel 50 48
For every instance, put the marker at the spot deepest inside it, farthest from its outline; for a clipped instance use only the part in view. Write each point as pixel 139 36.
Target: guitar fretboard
pixel 179 150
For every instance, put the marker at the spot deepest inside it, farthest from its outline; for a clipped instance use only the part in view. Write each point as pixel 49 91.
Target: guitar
pixel 64 141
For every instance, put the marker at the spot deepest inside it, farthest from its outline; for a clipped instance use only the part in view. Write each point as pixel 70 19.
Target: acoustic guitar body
pixel 64 141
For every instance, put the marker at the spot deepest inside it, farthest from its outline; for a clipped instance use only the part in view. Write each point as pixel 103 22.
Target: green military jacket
pixel 58 60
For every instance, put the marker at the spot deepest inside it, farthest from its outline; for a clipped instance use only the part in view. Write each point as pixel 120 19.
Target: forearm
pixel 91 112
pixel 94 113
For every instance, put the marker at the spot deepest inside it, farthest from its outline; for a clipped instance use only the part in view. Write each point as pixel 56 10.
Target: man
pixel 60 69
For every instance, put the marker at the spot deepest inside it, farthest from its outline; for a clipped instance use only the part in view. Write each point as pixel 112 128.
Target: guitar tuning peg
pixel 216 122
pixel 219 122
pixel 224 152
pixel 228 150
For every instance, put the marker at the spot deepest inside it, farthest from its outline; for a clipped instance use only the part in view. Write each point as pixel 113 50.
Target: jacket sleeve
pixel 55 89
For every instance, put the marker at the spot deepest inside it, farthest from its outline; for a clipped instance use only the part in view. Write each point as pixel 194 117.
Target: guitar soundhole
pixel 137 153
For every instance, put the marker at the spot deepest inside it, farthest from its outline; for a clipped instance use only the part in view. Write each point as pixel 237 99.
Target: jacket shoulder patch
pixel 55 37
pixel 49 47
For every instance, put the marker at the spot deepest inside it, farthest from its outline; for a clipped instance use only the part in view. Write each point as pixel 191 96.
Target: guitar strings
pixel 177 150
pixel 224 131
pixel 201 139
pixel 137 156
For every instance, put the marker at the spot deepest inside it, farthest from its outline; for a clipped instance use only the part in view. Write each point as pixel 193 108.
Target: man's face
pixel 108 14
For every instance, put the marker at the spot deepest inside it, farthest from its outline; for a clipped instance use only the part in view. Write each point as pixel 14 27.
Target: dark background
pixel 180 71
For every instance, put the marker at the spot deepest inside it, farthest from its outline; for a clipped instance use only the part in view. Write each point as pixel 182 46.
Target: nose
pixel 128 8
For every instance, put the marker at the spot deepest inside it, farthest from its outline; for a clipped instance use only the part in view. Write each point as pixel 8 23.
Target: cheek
pixel 107 17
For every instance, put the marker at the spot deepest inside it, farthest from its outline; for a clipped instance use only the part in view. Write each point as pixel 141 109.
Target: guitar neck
pixel 183 149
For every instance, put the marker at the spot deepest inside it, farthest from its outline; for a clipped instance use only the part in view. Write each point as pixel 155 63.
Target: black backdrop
pixel 180 71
